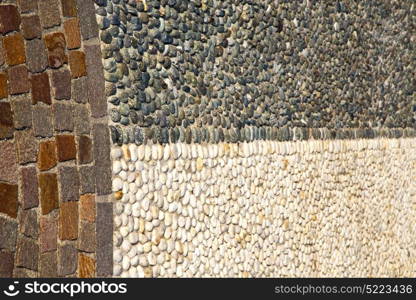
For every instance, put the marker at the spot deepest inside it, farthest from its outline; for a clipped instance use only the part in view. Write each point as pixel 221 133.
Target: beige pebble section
pixel 342 208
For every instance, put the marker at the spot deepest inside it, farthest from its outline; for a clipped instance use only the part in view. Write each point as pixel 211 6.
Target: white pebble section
pixel 343 208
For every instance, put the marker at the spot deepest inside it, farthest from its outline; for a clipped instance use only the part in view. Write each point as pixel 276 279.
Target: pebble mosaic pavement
pixel 147 138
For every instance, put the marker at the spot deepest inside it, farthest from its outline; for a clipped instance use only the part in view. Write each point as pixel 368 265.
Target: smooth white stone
pixel 117 184
pixel 116 167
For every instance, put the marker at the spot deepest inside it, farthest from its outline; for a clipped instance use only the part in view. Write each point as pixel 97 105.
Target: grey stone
pixel 104 240
pixel 67 260
pixel 42 120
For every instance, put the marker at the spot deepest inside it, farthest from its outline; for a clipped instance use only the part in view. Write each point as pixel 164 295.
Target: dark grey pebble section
pixel 211 71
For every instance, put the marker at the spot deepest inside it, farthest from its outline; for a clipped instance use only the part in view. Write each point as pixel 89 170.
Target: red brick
pixel 27 254
pixel 8 162
pixel 3 86
pixel 27 146
pixel 66 148
pixel 22 111
pixel 15 49
pixel 77 64
pixel 56 44
pixel 48 192
pixel 68 221
pixel 48 265
pixel 47 155
pixel 8 199
pixel 41 90
pixel 72 33
pixel 48 233
pixel 61 80
pixel 29 187
pixel 87 207
pixel 28 221
pixel 87 239
pixel 31 27
pixel 6 120
pixel 9 18
pixel 18 80
pixel 7 263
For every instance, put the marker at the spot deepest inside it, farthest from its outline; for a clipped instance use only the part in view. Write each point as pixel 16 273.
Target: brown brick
pixel 8 162
pixel 77 64
pixel 8 199
pixel 7 264
pixel 81 119
pixel 80 90
pixel 27 254
pixel 47 155
pixel 65 145
pixel 29 223
pixel 48 233
pixel 36 55
pixel 27 6
pixel 61 80
pixel 48 265
pixel 41 90
pixel 68 221
pixel 67 260
pixel 18 80
pixel 87 207
pixel 27 146
pixel 15 49
pixel 2 54
pixel 31 27
pixel 72 33
pixel 48 192
pixel 9 18
pixel 3 86
pixel 84 150
pixel 55 43
pixel 69 8
pixel 49 13
pixel 96 86
pixel 87 180
pixel 8 234
pixel 6 120
pixel 22 111
pixel 29 187
pixel 86 266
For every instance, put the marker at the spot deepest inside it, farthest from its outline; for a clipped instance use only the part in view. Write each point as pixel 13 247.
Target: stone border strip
pixel 156 135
